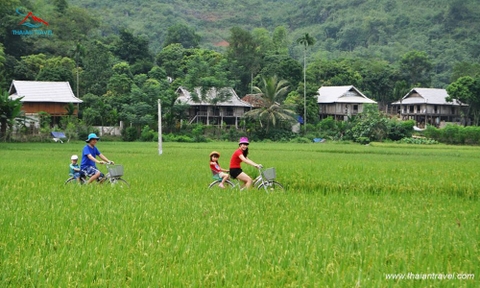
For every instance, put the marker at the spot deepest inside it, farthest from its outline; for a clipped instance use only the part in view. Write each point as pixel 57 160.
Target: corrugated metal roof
pixel 433 96
pixel 186 98
pixel 43 91
pixel 342 94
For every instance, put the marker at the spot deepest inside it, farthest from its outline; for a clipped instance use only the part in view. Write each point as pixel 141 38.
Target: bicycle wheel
pixel 119 182
pixel 271 187
pixel 72 180
pixel 214 184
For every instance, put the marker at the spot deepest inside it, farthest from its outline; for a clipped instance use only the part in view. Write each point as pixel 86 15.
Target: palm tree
pixel 78 53
pixel 306 40
pixel 271 112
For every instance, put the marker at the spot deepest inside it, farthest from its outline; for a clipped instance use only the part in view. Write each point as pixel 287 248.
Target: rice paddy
pixel 352 216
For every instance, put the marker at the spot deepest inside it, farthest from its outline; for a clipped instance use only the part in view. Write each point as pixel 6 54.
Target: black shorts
pixel 234 172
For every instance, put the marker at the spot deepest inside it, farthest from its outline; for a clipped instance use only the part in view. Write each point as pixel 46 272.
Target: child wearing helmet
pixel 75 171
pixel 241 155
pixel 217 171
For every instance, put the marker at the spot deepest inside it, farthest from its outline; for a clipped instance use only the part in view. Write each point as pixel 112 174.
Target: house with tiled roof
pixel 341 102
pixel 429 106
pixel 213 107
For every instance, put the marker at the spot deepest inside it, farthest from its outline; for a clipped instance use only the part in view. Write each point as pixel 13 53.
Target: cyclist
pixel 89 154
pixel 75 170
pixel 241 155
pixel 218 172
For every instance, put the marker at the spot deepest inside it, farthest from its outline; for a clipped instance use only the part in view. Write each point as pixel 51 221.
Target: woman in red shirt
pixel 239 156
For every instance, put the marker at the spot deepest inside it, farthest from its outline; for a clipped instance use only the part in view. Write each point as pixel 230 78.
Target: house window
pixel 418 108
pixel 435 109
pixel 410 109
pixel 229 111
pixel 355 108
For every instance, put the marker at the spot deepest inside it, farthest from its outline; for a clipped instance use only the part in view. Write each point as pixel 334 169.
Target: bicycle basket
pixel 115 170
pixel 269 173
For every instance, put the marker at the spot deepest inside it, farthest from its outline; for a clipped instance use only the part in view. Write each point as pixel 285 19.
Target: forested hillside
pixel 447 30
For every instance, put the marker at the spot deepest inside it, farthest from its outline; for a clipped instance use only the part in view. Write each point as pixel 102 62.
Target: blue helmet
pixel 92 136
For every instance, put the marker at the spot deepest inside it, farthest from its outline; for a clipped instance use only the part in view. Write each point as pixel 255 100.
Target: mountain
pixel 387 29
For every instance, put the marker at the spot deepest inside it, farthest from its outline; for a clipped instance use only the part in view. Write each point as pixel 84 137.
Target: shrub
pixel 129 134
pixel 147 134
pixel 399 129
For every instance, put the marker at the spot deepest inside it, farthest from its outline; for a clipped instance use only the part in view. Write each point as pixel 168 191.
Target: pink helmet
pixel 243 140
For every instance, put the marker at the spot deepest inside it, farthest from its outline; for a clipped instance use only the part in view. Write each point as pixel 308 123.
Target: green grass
pixel 351 215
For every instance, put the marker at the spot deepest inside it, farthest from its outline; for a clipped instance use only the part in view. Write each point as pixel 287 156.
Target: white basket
pixel 115 170
pixel 269 173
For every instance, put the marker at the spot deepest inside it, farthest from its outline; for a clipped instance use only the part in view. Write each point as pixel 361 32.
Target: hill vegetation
pixel 381 29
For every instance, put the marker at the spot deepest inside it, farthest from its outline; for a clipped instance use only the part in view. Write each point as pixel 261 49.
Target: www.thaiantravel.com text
pixel 430 276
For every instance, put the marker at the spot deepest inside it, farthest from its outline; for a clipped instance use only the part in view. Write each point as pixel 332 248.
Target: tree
pixel 306 40
pixel 61 6
pixel 284 67
pixel 97 63
pixel 132 49
pixel 279 38
pixel 206 69
pixel 467 90
pixel 170 58
pixel 10 110
pixel 272 112
pixel 370 125
pixel 182 34
pixel 416 68
pixel 2 64
pixel 243 58
pixel 78 54
pixel 29 66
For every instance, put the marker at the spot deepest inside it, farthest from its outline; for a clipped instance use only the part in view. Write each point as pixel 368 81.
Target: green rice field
pixel 383 215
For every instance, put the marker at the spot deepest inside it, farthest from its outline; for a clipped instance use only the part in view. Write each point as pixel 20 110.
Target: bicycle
pixel 114 177
pixel 265 180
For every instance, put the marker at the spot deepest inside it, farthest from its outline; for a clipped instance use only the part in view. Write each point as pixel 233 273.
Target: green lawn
pixel 352 215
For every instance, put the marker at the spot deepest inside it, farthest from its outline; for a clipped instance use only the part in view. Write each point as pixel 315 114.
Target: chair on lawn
pixel 58 136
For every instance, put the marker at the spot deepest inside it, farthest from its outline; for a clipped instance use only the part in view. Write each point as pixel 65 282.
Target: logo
pixel 33 22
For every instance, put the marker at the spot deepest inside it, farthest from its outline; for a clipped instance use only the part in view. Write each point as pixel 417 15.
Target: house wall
pixel 210 115
pixel 54 109
pixel 441 110
pixel 429 113
pixel 216 111
pixel 339 109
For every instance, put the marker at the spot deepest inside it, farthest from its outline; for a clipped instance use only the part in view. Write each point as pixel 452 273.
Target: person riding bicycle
pixel 75 170
pixel 89 154
pixel 217 171
pixel 241 155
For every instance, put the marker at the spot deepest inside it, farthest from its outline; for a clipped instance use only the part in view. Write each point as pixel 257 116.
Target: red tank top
pixel 235 161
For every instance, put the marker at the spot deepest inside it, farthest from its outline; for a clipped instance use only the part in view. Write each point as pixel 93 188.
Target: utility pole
pixel 305 89
pixel 159 128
